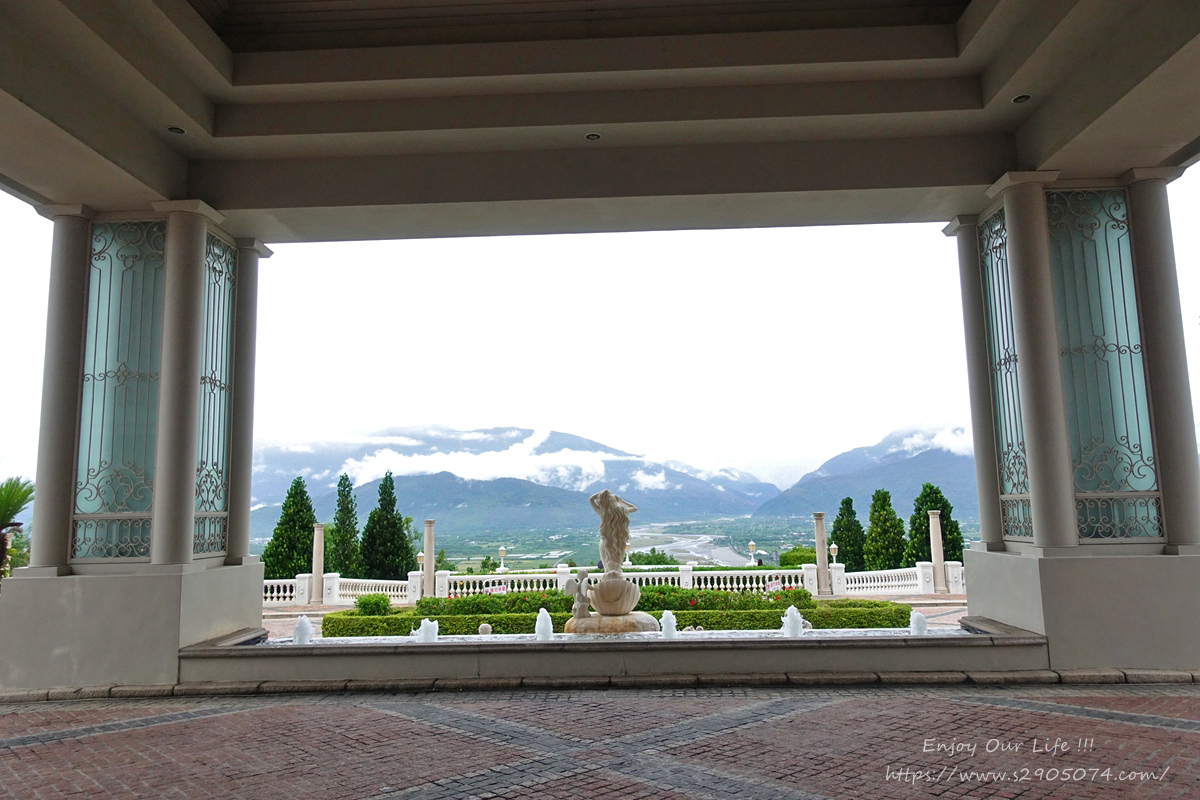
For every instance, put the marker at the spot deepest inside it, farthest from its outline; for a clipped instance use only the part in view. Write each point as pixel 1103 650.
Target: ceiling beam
pixel 600 109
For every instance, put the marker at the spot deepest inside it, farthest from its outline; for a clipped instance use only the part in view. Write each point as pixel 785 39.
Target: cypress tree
pixel 289 553
pixel 884 545
pixel 918 548
pixel 847 533
pixel 387 552
pixel 342 546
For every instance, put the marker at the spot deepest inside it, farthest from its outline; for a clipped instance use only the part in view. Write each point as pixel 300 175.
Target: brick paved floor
pixel 760 744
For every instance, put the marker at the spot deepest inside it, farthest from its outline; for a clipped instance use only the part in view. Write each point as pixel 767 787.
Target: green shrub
pixel 854 602
pixel 513 603
pixel 372 605
pixel 798 555
pixel 659 598
pixel 349 623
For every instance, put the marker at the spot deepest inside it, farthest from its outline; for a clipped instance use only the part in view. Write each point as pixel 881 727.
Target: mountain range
pixel 518 479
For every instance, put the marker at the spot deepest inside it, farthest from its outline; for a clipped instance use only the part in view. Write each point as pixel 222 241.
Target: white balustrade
pixel 884 581
pixel 344 591
pixel 350 589
pixel 279 592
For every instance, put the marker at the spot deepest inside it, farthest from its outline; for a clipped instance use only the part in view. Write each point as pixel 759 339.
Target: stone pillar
pixel 304 589
pixel 429 559
pixel 332 582
pixel 1168 384
pixel 837 579
pixel 414 586
pixel 823 585
pixel 925 577
pixel 241 408
pixel 686 575
pixel 66 319
pixel 318 562
pixel 1047 447
pixel 172 526
pixel 441 583
pixel 562 573
pixel 810 578
pixel 935 549
pixel 979 380
pixel 954 577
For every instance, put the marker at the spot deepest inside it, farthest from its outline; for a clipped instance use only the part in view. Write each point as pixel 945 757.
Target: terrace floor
pixel 771 743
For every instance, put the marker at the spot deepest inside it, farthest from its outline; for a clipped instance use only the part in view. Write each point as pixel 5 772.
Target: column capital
pixel 933 512
pixel 1010 179
pixel 1139 174
pixel 960 222
pixel 197 207
pixel 76 210
pixel 256 245
pixel 818 515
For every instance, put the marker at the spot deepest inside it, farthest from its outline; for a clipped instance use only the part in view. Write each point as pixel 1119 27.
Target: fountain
pixel 794 625
pixel 613 597
pixel 668 625
pixel 917 625
pixel 303 633
pixel 428 632
pixel 544 627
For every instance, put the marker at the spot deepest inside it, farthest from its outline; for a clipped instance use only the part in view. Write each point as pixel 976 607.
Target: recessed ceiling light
pixel 1022 98
pixel 175 129
pixel 592 137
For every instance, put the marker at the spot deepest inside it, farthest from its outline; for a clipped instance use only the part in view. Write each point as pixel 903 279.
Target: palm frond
pixel 15 496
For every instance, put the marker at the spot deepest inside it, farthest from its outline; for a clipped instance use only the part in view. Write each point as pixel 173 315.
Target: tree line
pixel 384 551
pixel 884 544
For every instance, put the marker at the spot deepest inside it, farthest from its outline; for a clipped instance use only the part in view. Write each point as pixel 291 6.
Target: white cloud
pixel 299 448
pixel 573 469
pixel 955 439
pixel 257 506
pixel 321 475
pixel 647 482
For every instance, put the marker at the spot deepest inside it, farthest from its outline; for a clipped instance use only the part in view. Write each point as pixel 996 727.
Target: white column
pixel 823 585
pixel 935 549
pixel 1043 410
pixel 66 320
pixel 414 587
pixel 441 583
pixel 979 380
pixel 304 589
pixel 332 582
pixel 954 577
pixel 318 562
pixel 562 573
pixel 1168 384
pixel 179 388
pixel 686 575
pixel 241 408
pixel 429 559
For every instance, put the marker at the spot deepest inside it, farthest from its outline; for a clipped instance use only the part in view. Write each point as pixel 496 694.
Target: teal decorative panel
pixel 1006 394
pixel 212 451
pixel 118 420
pixel 1104 375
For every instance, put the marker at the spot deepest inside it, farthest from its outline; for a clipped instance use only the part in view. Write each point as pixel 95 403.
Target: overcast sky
pixel 767 350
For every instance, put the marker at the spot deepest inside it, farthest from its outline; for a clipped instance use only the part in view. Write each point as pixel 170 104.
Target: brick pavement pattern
pixel 785 743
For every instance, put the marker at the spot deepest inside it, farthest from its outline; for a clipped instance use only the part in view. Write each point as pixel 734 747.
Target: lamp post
pixel 502 568
pixel 420 559
pixel 752 546
pixel 833 548
pixel 628 549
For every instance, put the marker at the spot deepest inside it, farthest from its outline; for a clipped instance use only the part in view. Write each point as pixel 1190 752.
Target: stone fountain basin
pixel 509 657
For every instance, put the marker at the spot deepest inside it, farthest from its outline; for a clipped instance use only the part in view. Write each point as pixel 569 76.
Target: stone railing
pixel 279 592
pixel 344 591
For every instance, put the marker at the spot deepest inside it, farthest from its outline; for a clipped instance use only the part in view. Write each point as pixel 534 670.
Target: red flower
pixel 693 602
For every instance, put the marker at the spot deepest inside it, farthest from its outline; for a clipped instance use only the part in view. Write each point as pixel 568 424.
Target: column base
pixel 1138 611
pixel 83 630
pixel 1182 549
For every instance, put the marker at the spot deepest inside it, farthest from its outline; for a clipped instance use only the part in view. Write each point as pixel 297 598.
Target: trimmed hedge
pixel 350 623
pixel 513 603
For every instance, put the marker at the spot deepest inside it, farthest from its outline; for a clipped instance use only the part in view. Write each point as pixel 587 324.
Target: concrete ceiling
pixel 333 119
